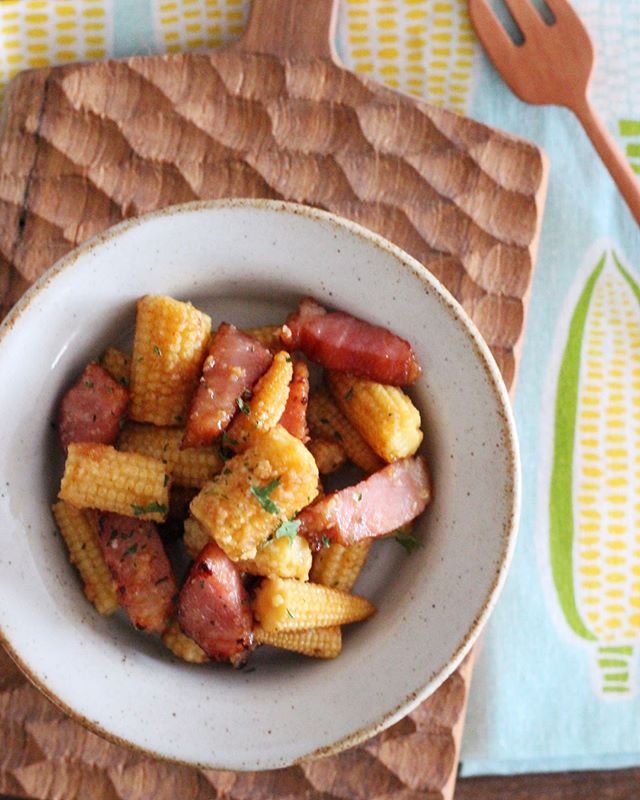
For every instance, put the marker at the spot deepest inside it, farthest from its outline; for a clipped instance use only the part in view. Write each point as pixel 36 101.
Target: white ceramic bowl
pixel 249 262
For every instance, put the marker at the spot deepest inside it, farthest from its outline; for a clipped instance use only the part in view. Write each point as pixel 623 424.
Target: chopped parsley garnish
pixel 124 380
pixel 113 535
pixel 349 394
pixel 243 406
pixel 326 541
pixel 261 493
pixel 290 614
pixel 289 528
pixel 358 497
pixel 202 584
pixel 130 550
pixel 408 541
pixel 89 384
pixel 152 508
pixel 288 359
pixel 157 350
pixel 225 444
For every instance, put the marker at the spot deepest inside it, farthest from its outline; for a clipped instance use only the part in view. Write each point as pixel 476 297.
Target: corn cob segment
pixel 329 456
pixel 191 466
pixel 281 558
pixel 99 476
pixel 315 642
pixel 337 566
pixel 256 492
pixel 326 421
pixel 384 415
pixel 182 646
pixel 265 407
pixel 195 537
pixel 268 335
pixel 283 604
pixel 117 364
pixel 169 347
pixel 79 530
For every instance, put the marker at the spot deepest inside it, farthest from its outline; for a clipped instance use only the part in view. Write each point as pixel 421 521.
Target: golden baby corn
pixel 79 530
pixel 191 466
pixel 315 642
pixel 384 415
pixel 169 346
pixel 284 604
pixel 99 476
pixel 256 492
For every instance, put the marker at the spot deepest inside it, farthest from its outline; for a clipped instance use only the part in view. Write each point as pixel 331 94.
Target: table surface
pixel 621 784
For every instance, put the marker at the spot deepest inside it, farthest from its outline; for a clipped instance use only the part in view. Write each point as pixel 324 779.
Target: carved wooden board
pixel 85 146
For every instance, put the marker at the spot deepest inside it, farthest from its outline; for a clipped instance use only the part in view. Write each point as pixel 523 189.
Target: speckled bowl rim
pixel 485 357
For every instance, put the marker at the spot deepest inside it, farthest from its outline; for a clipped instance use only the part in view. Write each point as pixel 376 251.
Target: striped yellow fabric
pixel 607 466
pixel 192 24
pixel 422 47
pixel 37 33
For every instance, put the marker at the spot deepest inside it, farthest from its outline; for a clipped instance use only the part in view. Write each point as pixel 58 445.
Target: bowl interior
pixel 249 263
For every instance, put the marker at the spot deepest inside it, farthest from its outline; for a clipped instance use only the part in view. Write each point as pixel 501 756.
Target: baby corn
pixel 256 492
pixel 169 347
pixel 182 646
pixel 195 537
pixel 284 604
pixel 329 456
pixel 268 335
pixel 384 415
pixel 316 642
pixel 326 421
pixel 193 466
pixel 281 558
pixel 337 566
pixel 79 530
pixel 117 364
pixel 265 408
pixel 99 476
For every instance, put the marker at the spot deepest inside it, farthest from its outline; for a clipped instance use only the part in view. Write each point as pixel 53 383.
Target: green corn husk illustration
pixel 594 502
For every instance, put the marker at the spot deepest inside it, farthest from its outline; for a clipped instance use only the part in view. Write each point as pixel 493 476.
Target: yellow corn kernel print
pixel 38 34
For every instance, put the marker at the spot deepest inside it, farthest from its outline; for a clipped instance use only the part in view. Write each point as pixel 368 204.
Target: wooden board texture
pixel 85 146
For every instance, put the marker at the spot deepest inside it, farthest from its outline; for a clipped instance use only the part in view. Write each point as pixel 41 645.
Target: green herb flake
pixel 124 380
pixel 324 420
pixel 130 550
pixel 225 443
pixel 358 497
pixel 289 529
pixel 202 584
pixel 292 616
pixel 89 384
pixel 337 436
pixel 408 541
pixel 243 406
pixel 261 493
pixel 326 541
pixel 178 419
pixel 151 508
pixel 288 359
pixel 157 350
pixel 122 422
pixel 113 535
pixel 166 479
pixel 349 394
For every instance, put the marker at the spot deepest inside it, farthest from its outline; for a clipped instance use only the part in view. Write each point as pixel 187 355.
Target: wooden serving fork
pixel 553 66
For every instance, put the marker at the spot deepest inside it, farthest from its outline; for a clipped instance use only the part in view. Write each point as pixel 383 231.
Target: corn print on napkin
pixel 557 681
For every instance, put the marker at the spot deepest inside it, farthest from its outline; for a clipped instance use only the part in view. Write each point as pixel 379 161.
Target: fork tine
pixel 489 28
pixel 563 12
pixel 525 15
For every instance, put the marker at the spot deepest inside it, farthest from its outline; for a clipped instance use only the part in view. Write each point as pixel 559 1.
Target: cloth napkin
pixel 556 680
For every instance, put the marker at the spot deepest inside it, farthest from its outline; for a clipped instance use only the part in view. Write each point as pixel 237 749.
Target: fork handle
pixel 611 155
